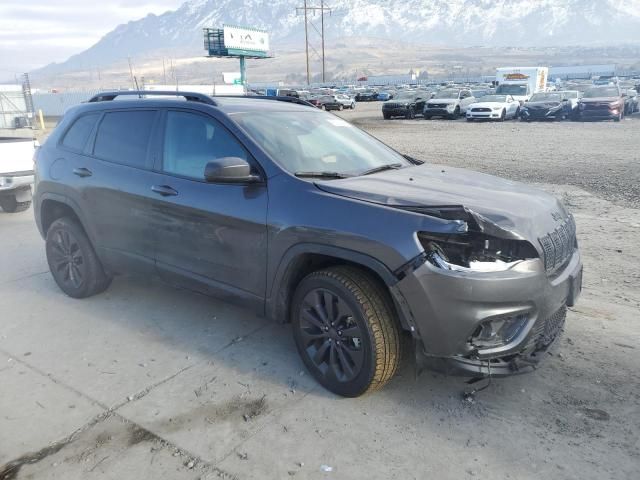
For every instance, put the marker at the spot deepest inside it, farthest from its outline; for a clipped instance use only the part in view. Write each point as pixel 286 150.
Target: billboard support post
pixel 243 71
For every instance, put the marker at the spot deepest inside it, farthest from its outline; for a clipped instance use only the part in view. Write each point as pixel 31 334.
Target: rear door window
pixel 192 140
pixel 77 136
pixel 123 137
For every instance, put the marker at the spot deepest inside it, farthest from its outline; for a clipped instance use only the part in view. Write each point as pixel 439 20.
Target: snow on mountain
pixel 449 22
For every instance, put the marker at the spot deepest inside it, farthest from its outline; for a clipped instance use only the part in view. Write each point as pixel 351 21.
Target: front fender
pixel 278 300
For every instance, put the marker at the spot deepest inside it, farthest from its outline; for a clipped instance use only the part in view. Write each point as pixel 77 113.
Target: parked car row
pixel 607 102
pixel 332 102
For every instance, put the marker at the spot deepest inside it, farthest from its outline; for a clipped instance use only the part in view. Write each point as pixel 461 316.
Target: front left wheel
pixel 345 330
pixel 72 261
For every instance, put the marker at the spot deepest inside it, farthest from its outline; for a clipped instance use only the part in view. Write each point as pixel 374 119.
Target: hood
pixel 543 104
pixel 501 207
pixel 487 104
pixel 442 100
pixel 599 100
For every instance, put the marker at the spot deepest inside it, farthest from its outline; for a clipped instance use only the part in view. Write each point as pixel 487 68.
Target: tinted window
pixel 123 137
pixel 191 141
pixel 77 136
pixel 602 92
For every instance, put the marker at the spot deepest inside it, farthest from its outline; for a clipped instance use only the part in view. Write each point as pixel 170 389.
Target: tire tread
pixel 378 314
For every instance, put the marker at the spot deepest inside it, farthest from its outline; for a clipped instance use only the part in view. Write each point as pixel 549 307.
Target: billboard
pixel 245 39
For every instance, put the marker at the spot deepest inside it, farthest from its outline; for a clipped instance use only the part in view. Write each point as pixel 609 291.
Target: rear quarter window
pixel 78 134
pixel 123 137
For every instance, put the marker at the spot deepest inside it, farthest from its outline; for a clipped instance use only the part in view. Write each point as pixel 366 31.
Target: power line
pixel 305 11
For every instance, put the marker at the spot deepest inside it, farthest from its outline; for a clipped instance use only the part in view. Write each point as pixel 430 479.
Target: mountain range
pixel 443 22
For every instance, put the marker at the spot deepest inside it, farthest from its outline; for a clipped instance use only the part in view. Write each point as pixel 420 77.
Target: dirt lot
pixel 149 382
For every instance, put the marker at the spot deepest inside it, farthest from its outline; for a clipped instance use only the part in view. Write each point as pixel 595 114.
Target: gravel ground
pixel 600 157
pixel 145 381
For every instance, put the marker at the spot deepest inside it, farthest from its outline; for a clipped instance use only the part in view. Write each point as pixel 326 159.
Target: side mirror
pixel 229 170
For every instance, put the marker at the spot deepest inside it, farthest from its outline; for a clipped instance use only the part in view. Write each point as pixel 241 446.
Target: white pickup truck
pixel 16 173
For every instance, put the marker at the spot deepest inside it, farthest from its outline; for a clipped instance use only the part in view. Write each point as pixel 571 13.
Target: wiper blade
pixel 413 160
pixel 382 168
pixel 320 175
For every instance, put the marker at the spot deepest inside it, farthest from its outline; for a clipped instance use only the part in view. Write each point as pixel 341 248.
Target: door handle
pixel 164 190
pixel 82 172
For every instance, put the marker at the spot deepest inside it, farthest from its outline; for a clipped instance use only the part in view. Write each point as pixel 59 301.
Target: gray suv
pixel 450 103
pixel 302 217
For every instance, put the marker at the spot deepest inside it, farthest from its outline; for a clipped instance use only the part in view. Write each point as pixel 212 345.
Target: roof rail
pixel 280 98
pixel 189 96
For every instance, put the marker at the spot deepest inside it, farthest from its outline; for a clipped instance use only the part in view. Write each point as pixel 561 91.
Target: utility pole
pixel 133 80
pixel 322 35
pixel 164 73
pixel 306 40
pixel 305 10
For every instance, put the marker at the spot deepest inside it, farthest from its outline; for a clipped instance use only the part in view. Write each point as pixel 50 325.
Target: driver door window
pixel 192 140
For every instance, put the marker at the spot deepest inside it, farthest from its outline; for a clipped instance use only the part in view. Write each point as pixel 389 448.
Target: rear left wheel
pixel 72 261
pixel 345 330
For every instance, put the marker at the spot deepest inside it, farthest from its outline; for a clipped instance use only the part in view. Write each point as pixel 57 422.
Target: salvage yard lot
pixel 145 381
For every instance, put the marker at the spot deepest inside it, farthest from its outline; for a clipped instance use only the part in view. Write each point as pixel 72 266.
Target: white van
pixel 521 82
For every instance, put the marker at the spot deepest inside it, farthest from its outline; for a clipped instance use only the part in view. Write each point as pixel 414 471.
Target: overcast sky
pixel 37 32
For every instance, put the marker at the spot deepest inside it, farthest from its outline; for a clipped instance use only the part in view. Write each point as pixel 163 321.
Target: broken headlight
pixel 473 251
pixel 498 331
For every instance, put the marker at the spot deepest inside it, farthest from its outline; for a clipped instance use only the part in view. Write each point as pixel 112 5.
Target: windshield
pixel 570 94
pixel 512 89
pixel 494 98
pixel 447 94
pixel 602 92
pixel 405 96
pixel 317 142
pixel 545 97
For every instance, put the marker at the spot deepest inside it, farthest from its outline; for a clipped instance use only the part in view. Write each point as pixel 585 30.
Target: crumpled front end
pixel 497 263
pixel 486 302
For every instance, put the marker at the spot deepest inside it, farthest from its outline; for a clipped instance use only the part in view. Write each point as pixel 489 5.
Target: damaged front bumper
pixel 448 307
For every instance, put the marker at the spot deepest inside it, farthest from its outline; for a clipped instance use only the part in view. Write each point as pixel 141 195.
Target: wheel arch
pixel 303 259
pixel 52 207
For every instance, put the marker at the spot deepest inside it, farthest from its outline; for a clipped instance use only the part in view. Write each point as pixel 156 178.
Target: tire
pixel 503 115
pixel 386 116
pixel 469 119
pixel 349 366
pixel 72 261
pixel 9 204
pixel 353 106
pixel 341 107
pixel 411 114
pixel 455 114
pixel 517 114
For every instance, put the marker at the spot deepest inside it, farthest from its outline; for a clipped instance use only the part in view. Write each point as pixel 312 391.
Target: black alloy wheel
pixel 67 260
pixel 72 261
pixel 331 336
pixel 345 330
